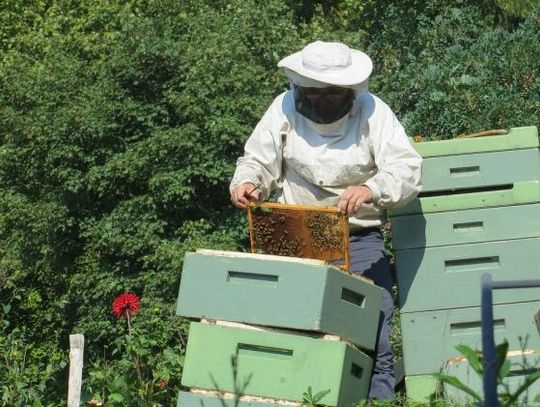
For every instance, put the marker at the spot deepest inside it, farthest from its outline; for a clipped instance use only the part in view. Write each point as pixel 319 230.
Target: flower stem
pixel 136 358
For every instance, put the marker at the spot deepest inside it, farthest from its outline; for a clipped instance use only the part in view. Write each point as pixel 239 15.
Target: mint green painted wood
pixel 280 292
pixel 419 388
pixel 481 170
pixel 449 276
pixel 429 338
pixel 274 365
pixel 186 399
pixel 526 192
pixel 469 226
pixel 517 138
pixel 521 365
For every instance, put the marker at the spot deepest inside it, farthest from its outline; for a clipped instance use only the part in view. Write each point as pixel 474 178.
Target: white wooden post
pixel 76 352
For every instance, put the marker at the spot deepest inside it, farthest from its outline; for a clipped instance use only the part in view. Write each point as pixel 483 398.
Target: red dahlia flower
pixel 125 305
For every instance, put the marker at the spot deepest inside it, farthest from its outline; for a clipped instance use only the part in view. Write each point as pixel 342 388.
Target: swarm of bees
pixel 271 237
pixel 325 231
pixel 274 232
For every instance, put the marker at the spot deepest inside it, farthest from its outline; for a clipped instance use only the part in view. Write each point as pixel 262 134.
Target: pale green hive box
pixel 274 365
pixel 522 364
pixel 494 161
pixel 420 388
pixel 504 215
pixel 281 292
pixel 429 338
pixel 187 399
pixel 449 276
pixel 524 192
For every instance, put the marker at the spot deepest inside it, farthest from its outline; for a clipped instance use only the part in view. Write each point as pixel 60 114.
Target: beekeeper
pixel 327 141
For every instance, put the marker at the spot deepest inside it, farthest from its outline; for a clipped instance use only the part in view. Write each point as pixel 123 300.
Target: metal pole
pixel 488 344
pixel 516 284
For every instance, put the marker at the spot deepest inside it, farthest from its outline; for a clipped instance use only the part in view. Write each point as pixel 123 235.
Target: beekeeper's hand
pixel 244 194
pixel 353 198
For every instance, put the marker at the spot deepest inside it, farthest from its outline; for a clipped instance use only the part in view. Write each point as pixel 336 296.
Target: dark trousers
pixel 370 259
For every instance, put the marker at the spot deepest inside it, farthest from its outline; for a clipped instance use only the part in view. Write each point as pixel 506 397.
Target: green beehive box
pixel 470 218
pixel 281 292
pixel 429 338
pixel 187 399
pixel 462 227
pixel 449 277
pixel 420 388
pixel 522 364
pixel 482 170
pixel 523 192
pixel 274 365
pixel 464 163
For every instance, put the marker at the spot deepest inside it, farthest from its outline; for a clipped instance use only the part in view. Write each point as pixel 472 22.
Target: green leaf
pixel 503 370
pixel 307 395
pixel 529 380
pixel 454 381
pixel 472 357
pixel 501 351
pixel 319 396
pixel 116 397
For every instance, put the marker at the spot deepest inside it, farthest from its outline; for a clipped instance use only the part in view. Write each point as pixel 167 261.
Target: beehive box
pixel 470 218
pixel 274 365
pixel 475 163
pixel 311 232
pixel 421 387
pixel 449 276
pixel 279 291
pixel 437 333
pixel 522 364
pixel 524 192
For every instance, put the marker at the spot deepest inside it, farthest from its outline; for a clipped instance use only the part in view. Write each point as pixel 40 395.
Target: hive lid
pixel 515 139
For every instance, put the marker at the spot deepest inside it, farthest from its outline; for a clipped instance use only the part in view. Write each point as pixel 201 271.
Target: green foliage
pixel 458 73
pixel 142 370
pixel 120 124
pixel 310 399
pixel 475 360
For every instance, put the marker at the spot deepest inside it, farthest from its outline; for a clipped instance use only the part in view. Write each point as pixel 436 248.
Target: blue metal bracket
pixel 488 341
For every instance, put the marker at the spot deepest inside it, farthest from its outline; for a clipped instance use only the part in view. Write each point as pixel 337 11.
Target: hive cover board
pixel 274 365
pixel 311 232
pixel 278 291
pixel 517 138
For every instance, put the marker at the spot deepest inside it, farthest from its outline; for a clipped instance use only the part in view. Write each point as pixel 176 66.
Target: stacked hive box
pixel 266 343
pixel 479 212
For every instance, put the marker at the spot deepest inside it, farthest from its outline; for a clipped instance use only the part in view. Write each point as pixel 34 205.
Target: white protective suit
pixel 312 164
